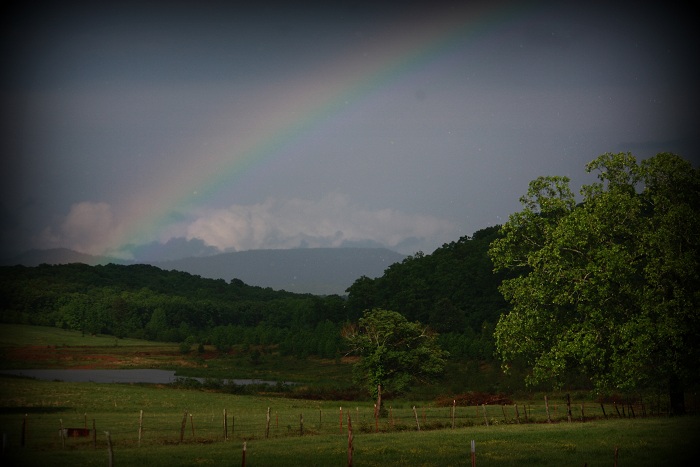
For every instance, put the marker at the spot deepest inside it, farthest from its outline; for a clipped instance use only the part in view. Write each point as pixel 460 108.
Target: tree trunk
pixel 676 395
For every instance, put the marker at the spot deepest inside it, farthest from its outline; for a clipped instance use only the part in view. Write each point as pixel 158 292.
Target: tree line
pixel 145 302
pixel 453 290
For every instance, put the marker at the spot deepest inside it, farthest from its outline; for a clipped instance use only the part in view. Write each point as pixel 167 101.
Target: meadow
pixel 163 425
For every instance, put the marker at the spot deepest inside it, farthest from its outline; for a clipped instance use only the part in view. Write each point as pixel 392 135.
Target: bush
pixel 474 398
pixel 186 383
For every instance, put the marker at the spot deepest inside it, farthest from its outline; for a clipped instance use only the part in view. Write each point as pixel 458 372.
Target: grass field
pixel 300 432
pixel 21 335
pixel 43 407
pixel 24 347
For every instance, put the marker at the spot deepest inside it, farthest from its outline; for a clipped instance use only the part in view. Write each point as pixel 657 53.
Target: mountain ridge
pixel 319 271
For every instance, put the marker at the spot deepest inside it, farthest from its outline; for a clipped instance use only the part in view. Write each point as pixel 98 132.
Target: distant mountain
pixel 319 271
pixel 57 256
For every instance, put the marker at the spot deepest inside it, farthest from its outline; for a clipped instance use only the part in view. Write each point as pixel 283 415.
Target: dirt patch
pixel 95 358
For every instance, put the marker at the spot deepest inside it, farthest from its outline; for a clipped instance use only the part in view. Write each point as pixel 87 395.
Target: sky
pixel 214 126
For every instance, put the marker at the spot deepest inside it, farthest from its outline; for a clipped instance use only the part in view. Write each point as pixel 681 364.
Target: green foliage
pixel 170 306
pixel 609 287
pixel 454 290
pixel 394 352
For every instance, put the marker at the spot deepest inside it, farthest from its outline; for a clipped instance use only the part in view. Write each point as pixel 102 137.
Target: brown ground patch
pixel 91 358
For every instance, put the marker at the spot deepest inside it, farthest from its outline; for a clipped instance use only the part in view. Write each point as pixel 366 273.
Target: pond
pixel 145 375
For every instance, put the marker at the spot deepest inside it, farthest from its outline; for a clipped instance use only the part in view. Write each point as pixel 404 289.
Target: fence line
pixel 56 431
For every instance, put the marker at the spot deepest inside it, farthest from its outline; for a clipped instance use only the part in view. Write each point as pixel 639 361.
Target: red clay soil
pixel 36 356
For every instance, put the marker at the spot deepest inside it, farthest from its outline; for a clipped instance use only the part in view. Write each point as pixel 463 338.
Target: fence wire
pixel 37 430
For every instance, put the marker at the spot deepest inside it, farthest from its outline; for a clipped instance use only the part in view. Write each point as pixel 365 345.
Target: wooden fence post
pixel 183 426
pixel 546 407
pixel 94 435
pixel 110 452
pixel 454 407
pixel 568 407
pixel 517 414
pixel 340 419
pixel 244 449
pixel 350 447
pixel 225 426
pixel 140 426
pixel 473 452
pixel 301 424
pixel 192 425
pixel 486 419
pixel 416 415
pixel 505 418
pixel 267 424
pixel 602 407
pixel 63 435
pixel 23 437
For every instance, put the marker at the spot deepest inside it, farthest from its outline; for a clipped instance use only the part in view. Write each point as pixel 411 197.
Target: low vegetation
pixel 42 407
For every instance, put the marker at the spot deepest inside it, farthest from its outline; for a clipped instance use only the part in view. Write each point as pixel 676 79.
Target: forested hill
pixel 146 302
pixel 453 290
pixel 320 271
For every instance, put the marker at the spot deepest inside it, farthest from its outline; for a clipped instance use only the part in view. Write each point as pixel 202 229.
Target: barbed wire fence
pixel 76 430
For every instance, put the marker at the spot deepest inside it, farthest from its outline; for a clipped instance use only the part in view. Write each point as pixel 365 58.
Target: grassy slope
pixel 115 408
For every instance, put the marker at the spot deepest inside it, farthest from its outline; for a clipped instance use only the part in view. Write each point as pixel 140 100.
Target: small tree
pixel 394 352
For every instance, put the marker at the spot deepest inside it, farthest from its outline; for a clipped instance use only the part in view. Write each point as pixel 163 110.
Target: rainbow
pixel 410 46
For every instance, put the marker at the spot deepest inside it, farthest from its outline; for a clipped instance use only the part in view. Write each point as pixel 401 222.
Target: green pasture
pixel 299 432
pixel 20 334
pixel 40 408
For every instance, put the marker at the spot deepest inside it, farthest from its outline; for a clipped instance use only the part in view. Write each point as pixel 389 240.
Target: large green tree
pixel 608 287
pixel 394 351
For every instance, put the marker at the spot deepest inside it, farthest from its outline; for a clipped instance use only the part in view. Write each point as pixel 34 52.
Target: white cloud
pixel 89 228
pixel 332 221
pixel 329 222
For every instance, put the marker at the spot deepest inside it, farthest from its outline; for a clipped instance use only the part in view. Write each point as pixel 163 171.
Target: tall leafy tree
pixel 394 351
pixel 610 286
